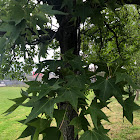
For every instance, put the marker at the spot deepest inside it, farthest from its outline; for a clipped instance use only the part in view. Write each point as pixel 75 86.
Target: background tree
pixel 26 31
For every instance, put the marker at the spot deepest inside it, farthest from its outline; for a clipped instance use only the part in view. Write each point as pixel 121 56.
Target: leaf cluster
pixel 26 24
pixel 71 86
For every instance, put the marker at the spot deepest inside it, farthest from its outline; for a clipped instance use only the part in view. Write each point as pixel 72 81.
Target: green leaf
pixel 29 131
pixel 129 107
pixel 112 5
pixel 101 129
pixel 24 93
pixel 17 30
pixel 18 102
pixel 77 63
pixel 13 33
pixel 34 86
pixel 59 115
pixel 41 106
pixel 93 135
pixel 40 125
pixel 6 27
pixel 71 95
pixel 68 3
pixel 46 89
pixel 79 123
pixel 3 43
pixel 96 113
pixel 48 10
pixel 43 49
pixel 97 17
pixel 53 64
pixel 107 88
pixel 83 10
pixel 31 102
pixel 16 12
pixel 35 127
pixel 11 109
pixel 52 133
pixel 126 78
pixel 42 89
pixel 76 81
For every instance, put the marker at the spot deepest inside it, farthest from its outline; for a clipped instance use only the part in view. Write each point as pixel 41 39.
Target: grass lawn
pixel 10 129
pixel 121 129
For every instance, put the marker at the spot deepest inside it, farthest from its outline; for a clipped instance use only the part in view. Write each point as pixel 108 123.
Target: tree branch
pixel 43 36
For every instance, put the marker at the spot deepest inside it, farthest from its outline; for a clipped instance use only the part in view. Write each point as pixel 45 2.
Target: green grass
pixel 10 129
pixel 120 128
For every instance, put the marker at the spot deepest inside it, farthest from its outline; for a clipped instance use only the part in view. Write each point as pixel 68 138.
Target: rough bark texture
pixel 66 129
pixel 68 37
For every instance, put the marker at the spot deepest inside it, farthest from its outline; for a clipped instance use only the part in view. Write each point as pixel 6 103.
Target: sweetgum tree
pixel 92 28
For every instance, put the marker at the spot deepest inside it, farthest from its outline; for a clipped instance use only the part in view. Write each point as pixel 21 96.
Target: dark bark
pixel 66 129
pixel 68 37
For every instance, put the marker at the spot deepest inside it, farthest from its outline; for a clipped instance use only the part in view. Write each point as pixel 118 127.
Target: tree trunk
pixel 68 37
pixel 66 129
pixel 68 34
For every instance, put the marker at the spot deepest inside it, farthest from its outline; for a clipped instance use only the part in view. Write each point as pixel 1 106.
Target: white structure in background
pixel 93 68
pixel 2 84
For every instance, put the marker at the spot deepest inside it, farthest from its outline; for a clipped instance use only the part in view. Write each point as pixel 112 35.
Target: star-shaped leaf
pixel 35 127
pixel 48 9
pixel 16 12
pixel 125 77
pixel 79 123
pixel 40 125
pixel 77 63
pixel 77 81
pixel 96 113
pixel 43 105
pixel 52 133
pixel 71 95
pixel 46 88
pixel 107 88
pixel 18 102
pixel 129 107
pixel 29 131
pixel 59 115
pixel 93 135
pixel 34 86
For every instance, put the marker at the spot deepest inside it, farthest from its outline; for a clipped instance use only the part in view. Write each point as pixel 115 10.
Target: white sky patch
pixel 54 26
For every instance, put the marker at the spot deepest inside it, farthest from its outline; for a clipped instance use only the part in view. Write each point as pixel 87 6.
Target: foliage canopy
pixel 105 35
